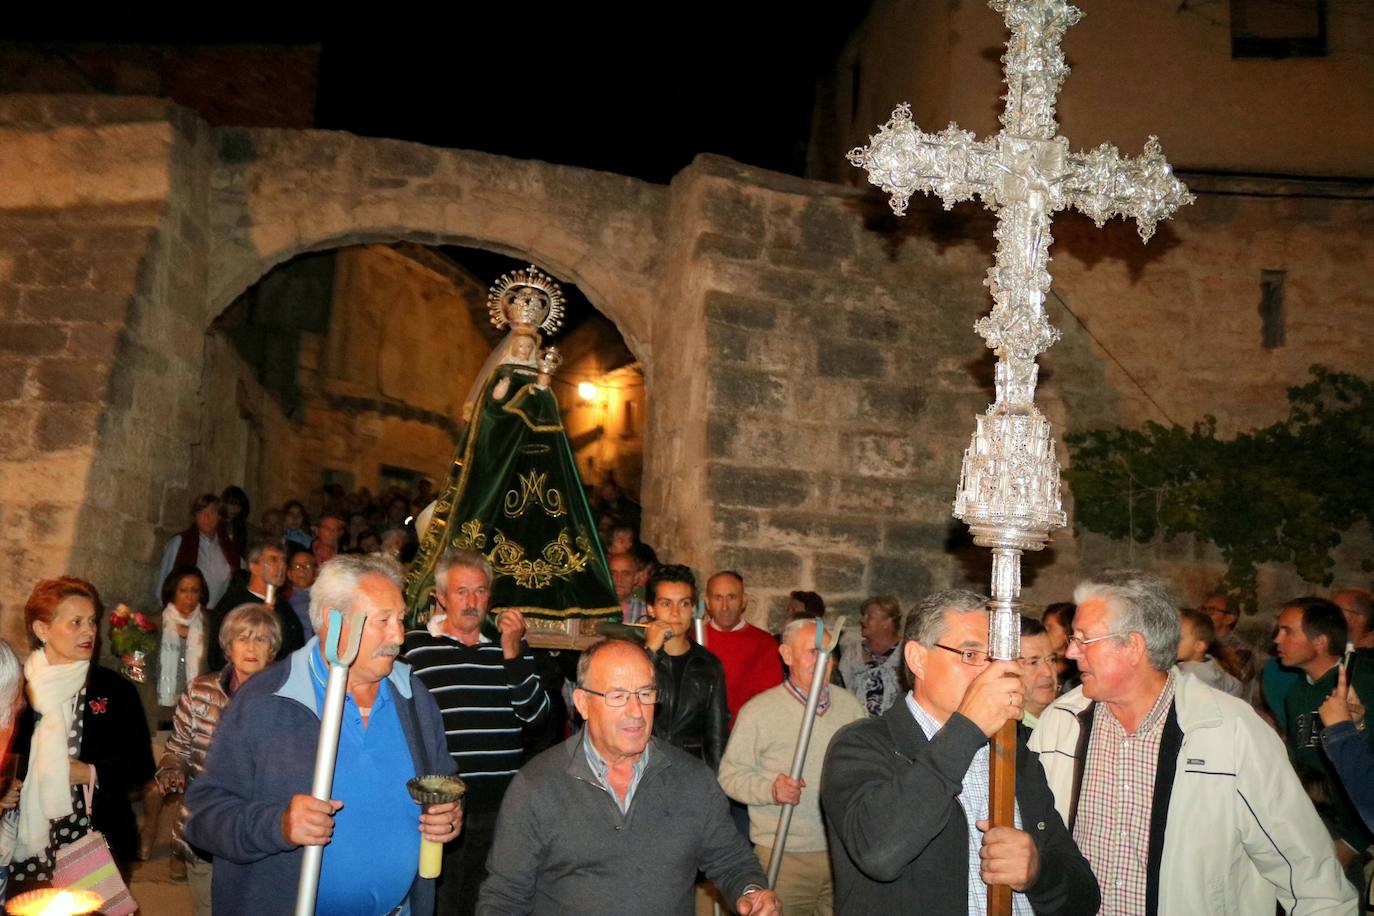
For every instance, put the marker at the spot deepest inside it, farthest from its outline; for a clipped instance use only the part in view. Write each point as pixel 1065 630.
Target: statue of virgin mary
pixel 513 492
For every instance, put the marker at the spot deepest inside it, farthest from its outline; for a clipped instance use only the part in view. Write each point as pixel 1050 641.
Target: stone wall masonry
pixel 139 483
pixel 674 491
pixel 811 371
pixel 825 366
pixel 845 375
pixel 83 217
pixel 383 385
pixel 278 193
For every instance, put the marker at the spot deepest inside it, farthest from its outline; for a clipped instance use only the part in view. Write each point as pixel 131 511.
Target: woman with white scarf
pixel 181 660
pixel 184 593
pixel 84 735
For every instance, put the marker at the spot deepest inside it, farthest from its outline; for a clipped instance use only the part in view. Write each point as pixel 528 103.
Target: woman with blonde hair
pixel 870 666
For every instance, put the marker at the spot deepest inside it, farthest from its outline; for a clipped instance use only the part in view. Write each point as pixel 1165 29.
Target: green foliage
pixel 1281 494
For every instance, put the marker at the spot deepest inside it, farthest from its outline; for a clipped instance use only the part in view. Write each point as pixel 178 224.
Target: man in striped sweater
pixel 489 693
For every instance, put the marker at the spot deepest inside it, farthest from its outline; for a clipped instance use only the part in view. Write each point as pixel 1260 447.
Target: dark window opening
pixel 333 476
pixel 1278 28
pixel 1271 308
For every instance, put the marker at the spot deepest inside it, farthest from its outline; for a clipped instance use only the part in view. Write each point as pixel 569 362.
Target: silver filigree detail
pixel 1034 65
pixel 1009 484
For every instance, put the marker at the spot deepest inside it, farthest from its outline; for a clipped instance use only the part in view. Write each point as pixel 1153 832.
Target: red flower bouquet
pixel 134 638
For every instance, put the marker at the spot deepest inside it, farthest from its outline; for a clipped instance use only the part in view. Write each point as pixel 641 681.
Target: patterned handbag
pixel 86 863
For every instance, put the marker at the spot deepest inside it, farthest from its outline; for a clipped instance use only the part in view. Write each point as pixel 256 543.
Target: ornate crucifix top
pixel 1009 488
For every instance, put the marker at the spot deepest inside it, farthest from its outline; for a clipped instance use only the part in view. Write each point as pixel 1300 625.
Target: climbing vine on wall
pixel 1280 494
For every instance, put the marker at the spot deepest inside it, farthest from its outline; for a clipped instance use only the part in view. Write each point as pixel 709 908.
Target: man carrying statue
pixel 513 492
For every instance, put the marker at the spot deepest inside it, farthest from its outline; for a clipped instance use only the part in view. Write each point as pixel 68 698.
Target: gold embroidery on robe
pixel 533 487
pixel 558 559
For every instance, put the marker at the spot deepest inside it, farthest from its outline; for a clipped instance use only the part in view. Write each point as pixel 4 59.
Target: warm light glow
pixel 52 902
pixel 586 391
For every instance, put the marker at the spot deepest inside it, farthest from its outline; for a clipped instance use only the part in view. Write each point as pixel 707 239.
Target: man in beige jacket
pixel 754 771
pixel 1181 798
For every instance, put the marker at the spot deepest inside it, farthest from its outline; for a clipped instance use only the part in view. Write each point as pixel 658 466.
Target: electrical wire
pixel 1112 356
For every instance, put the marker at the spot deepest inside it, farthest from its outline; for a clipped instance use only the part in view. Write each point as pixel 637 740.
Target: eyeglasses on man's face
pixel 1081 643
pixel 1035 661
pixel 615 699
pixel 975 657
pixel 300 566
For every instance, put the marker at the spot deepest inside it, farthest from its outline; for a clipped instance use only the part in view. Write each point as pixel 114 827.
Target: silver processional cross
pixel 1009 486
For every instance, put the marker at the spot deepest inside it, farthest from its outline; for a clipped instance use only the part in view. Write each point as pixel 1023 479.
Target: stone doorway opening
pixel 346 370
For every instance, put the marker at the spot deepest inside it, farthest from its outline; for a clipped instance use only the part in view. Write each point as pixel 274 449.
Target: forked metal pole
pixel 327 754
pixel 813 700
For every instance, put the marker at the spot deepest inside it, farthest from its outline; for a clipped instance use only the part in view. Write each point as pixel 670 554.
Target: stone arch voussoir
pixel 279 194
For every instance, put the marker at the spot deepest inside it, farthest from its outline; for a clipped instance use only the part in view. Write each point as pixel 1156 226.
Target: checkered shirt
pixel 973 799
pixel 1112 825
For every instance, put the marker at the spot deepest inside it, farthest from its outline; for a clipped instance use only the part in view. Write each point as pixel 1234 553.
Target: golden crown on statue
pixel 526 298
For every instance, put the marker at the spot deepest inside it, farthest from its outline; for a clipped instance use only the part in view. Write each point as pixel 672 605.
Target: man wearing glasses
pixel 1179 795
pixel 614 821
pixel 301 568
pixel 905 795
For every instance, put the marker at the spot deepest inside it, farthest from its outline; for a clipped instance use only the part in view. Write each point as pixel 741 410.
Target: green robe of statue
pixel 514 494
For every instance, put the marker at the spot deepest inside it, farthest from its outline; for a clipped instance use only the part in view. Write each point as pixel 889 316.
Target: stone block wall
pixel 835 413
pixel 102 255
pixel 382 384
pixel 844 374
pixel 1171 332
pixel 811 371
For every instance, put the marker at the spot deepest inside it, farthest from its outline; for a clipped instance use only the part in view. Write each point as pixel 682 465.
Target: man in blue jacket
pixel 251 808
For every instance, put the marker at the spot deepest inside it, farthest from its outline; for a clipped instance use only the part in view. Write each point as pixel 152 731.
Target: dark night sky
pixel 635 88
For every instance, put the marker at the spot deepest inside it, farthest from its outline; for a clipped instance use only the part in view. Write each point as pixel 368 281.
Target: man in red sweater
pixel 749 654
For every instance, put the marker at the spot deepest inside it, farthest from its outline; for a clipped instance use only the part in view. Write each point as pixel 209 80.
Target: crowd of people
pixel 1164 764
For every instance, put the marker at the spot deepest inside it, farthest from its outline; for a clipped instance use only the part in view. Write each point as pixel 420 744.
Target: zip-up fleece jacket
pixel 1231 829
pixel 263 755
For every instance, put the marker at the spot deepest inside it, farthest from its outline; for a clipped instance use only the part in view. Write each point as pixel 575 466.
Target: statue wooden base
pixel 575 633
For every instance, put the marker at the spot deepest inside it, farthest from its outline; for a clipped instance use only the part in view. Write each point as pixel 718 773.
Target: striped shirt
pixel 973 799
pixel 487 703
pixel 1112 824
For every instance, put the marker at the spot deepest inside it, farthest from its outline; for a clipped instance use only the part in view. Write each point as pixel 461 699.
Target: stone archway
pixel 277 194
pixel 145 224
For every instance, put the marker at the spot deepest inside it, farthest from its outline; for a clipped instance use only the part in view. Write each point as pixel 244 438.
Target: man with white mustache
pixel 250 810
pixel 488 690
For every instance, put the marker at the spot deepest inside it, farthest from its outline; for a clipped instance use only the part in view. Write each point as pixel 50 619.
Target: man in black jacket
pixel 266 566
pixel 905 794
pixel 692 712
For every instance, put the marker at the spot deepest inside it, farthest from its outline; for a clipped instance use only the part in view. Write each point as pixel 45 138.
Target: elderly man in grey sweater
pixel 613 821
